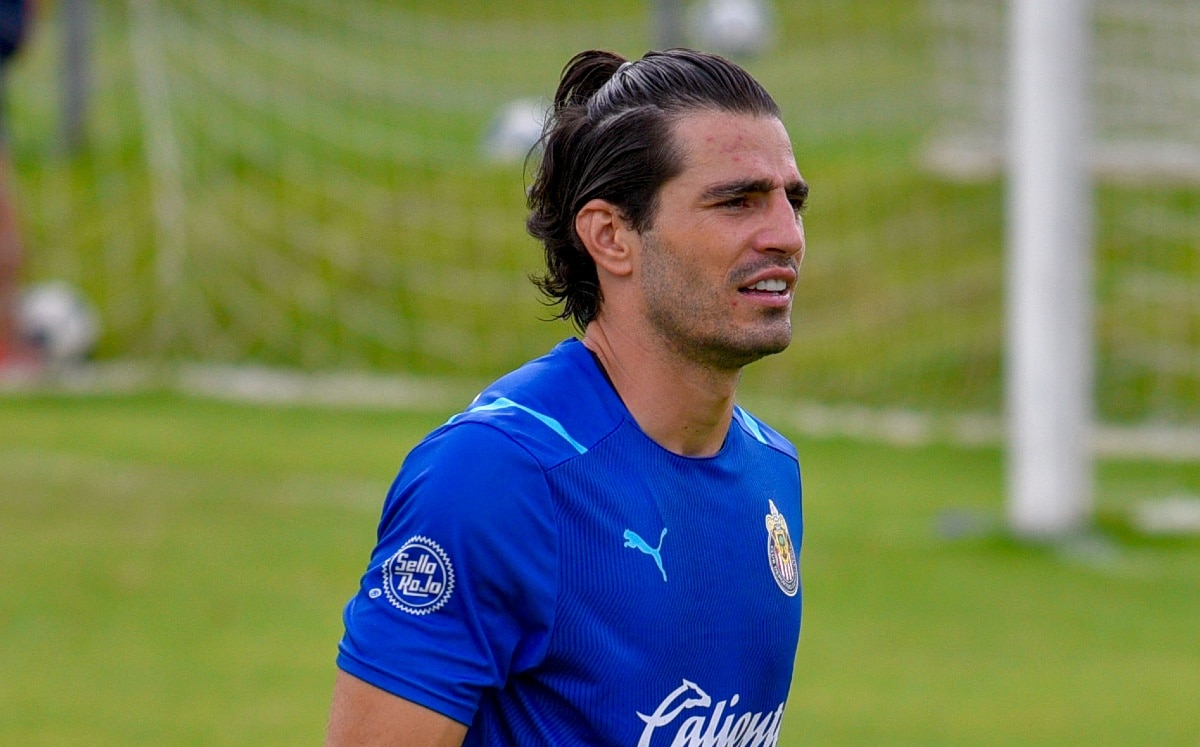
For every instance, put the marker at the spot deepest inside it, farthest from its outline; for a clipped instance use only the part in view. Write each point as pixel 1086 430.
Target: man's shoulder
pixel 763 433
pixel 555 407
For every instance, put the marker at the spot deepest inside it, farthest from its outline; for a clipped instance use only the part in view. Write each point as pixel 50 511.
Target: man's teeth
pixel 772 286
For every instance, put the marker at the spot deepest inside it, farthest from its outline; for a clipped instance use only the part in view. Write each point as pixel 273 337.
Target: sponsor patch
pixel 419 578
pixel 781 554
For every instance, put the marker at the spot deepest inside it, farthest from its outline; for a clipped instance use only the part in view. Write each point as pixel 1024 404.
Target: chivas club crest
pixel 781 554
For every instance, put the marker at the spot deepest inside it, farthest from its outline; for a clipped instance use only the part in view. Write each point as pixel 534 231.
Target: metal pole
pixel 1049 378
pixel 667 23
pixel 76 56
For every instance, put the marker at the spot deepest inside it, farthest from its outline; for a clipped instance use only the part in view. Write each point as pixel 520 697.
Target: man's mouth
pixel 769 284
pixel 774 285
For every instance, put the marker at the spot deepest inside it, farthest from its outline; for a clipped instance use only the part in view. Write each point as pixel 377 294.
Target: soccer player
pixel 603 548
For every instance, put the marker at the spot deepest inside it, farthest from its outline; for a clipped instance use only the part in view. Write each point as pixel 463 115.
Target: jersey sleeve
pixel 459 593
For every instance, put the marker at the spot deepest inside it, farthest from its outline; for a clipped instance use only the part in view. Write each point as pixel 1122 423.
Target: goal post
pixel 1049 381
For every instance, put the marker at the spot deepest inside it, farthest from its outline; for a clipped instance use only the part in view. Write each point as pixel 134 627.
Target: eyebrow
pixel 795 190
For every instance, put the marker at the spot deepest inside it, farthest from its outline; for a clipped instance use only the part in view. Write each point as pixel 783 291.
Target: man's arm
pixel 363 715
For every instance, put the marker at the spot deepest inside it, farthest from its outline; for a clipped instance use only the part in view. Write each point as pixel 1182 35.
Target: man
pixel 602 549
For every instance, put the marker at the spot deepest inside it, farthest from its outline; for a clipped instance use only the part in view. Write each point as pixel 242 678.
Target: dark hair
pixel 14 23
pixel 608 136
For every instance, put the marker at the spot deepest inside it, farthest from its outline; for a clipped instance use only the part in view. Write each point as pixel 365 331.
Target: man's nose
pixel 784 231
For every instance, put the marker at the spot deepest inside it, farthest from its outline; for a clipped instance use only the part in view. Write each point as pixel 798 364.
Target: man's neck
pixel 684 406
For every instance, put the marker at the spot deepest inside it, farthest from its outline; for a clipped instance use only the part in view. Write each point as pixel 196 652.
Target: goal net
pixel 303 183
pixel 1144 85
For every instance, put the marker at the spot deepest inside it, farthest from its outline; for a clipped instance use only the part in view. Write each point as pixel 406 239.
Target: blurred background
pixel 335 191
pixel 325 185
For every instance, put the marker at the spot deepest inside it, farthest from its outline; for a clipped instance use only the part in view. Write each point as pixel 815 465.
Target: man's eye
pixel 737 202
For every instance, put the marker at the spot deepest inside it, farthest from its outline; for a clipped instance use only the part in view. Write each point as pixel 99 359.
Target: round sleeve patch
pixel 419 578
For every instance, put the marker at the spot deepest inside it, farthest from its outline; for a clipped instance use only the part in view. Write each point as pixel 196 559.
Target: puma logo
pixel 633 540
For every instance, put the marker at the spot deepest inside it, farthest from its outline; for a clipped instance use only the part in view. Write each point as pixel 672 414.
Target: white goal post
pixel 1049 382
pixel 1086 111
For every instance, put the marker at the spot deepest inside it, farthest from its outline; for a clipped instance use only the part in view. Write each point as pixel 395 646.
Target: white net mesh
pixel 301 182
pixel 1145 101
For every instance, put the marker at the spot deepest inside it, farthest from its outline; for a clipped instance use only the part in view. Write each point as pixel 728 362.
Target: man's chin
pixel 737 356
pixel 771 349
pixel 772 340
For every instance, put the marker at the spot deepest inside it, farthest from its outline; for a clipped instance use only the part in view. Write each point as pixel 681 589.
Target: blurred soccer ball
pixel 734 28
pixel 57 320
pixel 514 131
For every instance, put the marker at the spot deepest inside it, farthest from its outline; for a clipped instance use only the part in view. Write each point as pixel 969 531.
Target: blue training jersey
pixel 549 575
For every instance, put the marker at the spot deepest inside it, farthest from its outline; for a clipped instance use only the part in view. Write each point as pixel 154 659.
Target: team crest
pixel 781 554
pixel 419 578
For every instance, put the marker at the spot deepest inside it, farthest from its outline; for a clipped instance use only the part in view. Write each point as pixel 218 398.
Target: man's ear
pixel 607 236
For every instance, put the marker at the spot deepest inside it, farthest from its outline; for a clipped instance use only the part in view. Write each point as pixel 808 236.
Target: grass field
pixel 173 571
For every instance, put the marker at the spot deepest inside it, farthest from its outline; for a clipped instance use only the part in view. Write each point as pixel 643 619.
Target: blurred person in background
pixel 603 548
pixel 16 356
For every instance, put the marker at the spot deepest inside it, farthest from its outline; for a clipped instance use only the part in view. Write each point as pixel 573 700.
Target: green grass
pixel 173 572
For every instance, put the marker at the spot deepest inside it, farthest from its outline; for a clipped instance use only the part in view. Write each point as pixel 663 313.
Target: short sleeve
pixel 459 593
